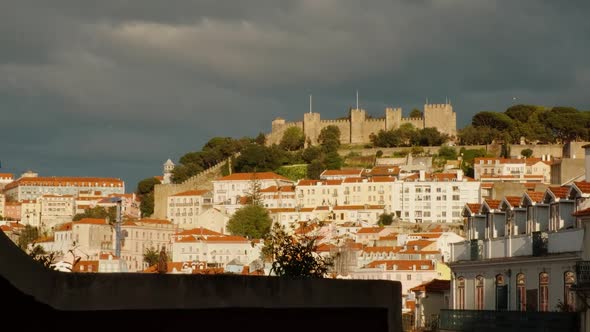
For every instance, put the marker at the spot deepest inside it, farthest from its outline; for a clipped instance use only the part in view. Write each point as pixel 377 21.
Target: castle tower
pixel 357 124
pixel 393 118
pixel 312 126
pixel 441 117
pixel 168 168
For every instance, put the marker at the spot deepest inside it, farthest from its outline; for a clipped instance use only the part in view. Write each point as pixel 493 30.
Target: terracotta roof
pixel 253 176
pixel 559 192
pixel 65 182
pixel 500 160
pixel 44 239
pixel 370 230
pixel 105 255
pixel 92 221
pixel 383 171
pixel 532 161
pixel 582 213
pixel 473 207
pixel 536 196
pixel 274 189
pixel 406 265
pixel 419 243
pixel 492 203
pixel 198 231
pixel 15 204
pixel 6 175
pixel 307 182
pixel 583 186
pixel 159 178
pixel 192 193
pixel 421 252
pixel 64 227
pixel 428 235
pixel 514 201
pixel 392 236
pixel 433 286
pixel 325 247
pixel 341 172
pixel 6 228
pixel 226 238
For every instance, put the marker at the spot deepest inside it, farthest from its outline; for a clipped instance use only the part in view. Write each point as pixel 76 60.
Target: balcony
pixel 491 320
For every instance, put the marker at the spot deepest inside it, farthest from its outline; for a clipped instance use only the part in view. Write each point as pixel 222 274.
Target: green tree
pixel 28 235
pixel 379 154
pixel 294 255
pixel 251 221
pixel 447 153
pixel 385 219
pixel 146 206
pixel 499 121
pixel 527 153
pixel 311 153
pixel 293 139
pixel 258 158
pixel 430 137
pixel 386 138
pixel 329 138
pixel 521 113
pixel 145 192
pixel 98 212
pixel 151 256
pixel 260 139
pixel 333 160
pixel 415 113
pixel 293 172
pixel 314 169
pixel 146 185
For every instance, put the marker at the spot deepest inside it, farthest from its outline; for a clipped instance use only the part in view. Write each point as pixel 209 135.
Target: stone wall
pixel 199 181
pixel 153 302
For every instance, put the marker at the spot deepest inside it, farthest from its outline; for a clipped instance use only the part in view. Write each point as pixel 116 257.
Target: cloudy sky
pixel 114 88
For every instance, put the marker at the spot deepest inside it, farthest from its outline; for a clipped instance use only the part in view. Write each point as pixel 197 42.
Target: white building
pixel 229 189
pixel 278 197
pixel 167 174
pixel 2 203
pixel 184 208
pixel 87 238
pixel 438 197
pixel 341 174
pixel 56 209
pixel 5 178
pixel 215 249
pixel 32 187
pixel 410 273
pixel 141 235
pixel 31 213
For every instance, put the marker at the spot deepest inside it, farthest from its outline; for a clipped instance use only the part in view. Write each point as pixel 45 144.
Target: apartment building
pixel 141 235
pixel 31 187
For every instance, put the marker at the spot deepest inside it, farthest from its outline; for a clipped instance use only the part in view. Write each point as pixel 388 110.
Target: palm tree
pixel 151 256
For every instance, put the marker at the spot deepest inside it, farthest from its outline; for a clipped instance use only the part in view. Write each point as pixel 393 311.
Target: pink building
pixel 12 210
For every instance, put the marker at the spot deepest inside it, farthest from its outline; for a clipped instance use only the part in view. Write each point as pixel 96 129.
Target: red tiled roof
pixel 92 221
pixel 582 213
pixel 274 189
pixel 559 192
pixel 44 239
pixel 64 227
pixel 370 230
pixel 383 171
pixel 159 178
pixel 86 266
pixel 536 196
pixel 6 175
pixel 192 193
pixel 403 264
pixel 226 238
pixel 583 186
pixel 493 203
pixel 56 181
pixel 392 236
pixel 501 160
pixel 253 176
pixel 341 172
pixel 514 201
pixel 325 247
pixel 198 231
pixel 420 243
pixel 473 207
pixel 433 286
pixel 381 249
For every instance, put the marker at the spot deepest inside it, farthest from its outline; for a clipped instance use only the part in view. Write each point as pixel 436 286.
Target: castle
pixel 358 127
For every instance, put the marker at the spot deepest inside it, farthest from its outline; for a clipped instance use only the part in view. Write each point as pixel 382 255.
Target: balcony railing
pixel 491 320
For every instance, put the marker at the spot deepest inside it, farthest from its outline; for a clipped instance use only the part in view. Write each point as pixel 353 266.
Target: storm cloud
pixel 114 88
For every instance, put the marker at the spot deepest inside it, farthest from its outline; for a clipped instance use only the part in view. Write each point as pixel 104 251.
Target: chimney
pixel 460 175
pixel 422 175
pixel 587 161
pixel 543 157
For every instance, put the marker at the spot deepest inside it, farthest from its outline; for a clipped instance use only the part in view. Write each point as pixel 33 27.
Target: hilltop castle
pixel 358 127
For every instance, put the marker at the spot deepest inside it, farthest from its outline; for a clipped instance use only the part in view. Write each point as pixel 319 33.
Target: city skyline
pixel 117 89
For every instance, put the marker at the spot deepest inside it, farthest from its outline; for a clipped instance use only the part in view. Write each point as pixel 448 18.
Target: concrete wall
pixel 130 291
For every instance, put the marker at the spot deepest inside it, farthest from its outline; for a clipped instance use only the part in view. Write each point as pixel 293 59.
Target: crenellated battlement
pixel 358 126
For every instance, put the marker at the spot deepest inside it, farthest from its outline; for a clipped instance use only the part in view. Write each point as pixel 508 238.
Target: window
pixel 569 296
pixel 501 293
pixel 409 277
pixel 479 293
pixel 543 291
pixel 460 301
pixel 521 292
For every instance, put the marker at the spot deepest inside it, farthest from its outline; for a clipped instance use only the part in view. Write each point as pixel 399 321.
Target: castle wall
pixel 373 126
pixel 343 125
pixel 357 126
pixel 441 117
pixel 418 123
pixel 393 118
pixel 278 129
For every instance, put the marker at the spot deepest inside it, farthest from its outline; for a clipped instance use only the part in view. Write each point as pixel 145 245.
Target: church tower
pixel 168 168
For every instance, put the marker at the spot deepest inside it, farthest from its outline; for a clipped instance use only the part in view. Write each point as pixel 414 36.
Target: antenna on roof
pixel 357 99
pixel 426 100
pixel 310 106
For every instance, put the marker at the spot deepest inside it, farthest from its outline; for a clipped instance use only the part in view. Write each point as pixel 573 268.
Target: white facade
pixel 216 250
pixel 56 209
pixel 31 213
pixel 2 202
pixel 167 174
pixel 33 187
pixel 185 208
pixel 229 189
pixel 144 234
pixel 278 197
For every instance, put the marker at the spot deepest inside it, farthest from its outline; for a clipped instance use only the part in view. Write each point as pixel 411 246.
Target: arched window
pixel 501 293
pixel 479 293
pixel 543 291
pixel 521 292
pixel 569 279
pixel 460 302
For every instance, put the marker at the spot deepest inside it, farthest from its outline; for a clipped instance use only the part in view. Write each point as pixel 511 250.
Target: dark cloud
pixel 116 87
